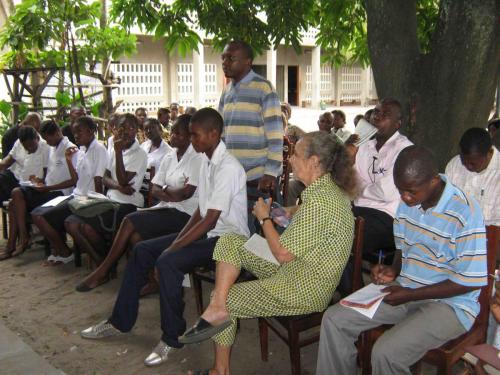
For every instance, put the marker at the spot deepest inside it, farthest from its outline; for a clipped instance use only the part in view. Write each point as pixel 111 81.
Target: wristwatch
pixel 261 222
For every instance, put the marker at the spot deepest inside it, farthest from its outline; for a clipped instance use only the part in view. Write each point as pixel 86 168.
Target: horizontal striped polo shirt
pixel 253 128
pixel 445 242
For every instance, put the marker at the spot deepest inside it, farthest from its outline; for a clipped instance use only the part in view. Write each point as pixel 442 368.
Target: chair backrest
pixel 357 253
pixel 492 246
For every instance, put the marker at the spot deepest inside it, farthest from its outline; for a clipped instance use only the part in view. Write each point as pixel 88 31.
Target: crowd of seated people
pixel 207 204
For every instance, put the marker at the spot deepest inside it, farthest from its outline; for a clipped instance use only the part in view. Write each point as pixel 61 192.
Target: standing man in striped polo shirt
pixel 253 128
pixel 439 266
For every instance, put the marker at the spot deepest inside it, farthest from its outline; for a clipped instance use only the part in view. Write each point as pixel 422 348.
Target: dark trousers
pixel 171 267
pixel 378 235
pixel 7 183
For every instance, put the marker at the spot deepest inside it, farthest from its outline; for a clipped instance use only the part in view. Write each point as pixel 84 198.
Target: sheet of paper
pixel 93 194
pixel 366 300
pixel 370 311
pixel 26 183
pixel 365 131
pixel 55 201
pixel 258 245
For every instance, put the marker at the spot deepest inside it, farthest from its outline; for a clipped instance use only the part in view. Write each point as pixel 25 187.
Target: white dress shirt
pixel 26 164
pixel 134 160
pixel 111 146
pixel 374 169
pixel 155 157
pixel 223 187
pixel 483 186
pixel 342 133
pixel 57 169
pixel 91 163
pixel 173 172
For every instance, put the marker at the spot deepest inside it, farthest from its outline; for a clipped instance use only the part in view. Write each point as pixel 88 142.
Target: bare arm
pixel 173 195
pixel 6 162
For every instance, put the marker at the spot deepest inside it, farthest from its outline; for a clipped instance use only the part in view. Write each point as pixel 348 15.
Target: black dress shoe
pixel 203 330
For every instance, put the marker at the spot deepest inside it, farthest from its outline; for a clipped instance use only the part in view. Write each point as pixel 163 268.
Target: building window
pixel 185 89
pixel 211 95
pixel 326 83
pixel 141 85
pixel 351 84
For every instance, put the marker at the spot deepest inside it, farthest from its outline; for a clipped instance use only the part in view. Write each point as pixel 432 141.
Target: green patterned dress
pixel 320 237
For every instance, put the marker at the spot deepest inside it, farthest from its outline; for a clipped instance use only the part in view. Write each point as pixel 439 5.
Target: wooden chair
pixel 288 148
pixel 294 325
pixel 448 354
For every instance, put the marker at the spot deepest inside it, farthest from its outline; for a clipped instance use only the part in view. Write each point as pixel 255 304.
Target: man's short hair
pixel 394 103
pixel 128 119
pixel 415 163
pixel 27 133
pixel 163 110
pixel 475 140
pixel 244 46
pixel 183 122
pixel 87 122
pixel 49 127
pixel 209 119
pixel 141 109
pixel 152 120
pixel 339 113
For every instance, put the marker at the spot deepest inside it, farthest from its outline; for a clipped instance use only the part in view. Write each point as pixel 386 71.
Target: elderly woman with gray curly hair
pixel 312 252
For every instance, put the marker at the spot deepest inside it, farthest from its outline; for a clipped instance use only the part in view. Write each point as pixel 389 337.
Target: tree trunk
pixel 449 89
pixel 107 96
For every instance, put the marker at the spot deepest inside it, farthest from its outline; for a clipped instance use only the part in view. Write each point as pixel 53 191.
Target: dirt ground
pixel 41 305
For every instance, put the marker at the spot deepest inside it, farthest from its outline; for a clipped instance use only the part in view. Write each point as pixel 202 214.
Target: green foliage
pixel 63 99
pixel 342 27
pixel 39 32
pixel 5 115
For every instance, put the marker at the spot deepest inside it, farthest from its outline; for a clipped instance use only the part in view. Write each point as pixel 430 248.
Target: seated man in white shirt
pixel 222 209
pixel 175 186
pixel 339 125
pixel 477 172
pixel 90 166
pixel 56 182
pixel 378 198
pixel 123 179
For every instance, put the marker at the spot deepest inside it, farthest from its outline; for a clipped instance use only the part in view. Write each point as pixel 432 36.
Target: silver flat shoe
pixel 99 331
pixel 159 354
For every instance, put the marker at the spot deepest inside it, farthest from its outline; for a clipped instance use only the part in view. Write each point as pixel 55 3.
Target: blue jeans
pixel 171 268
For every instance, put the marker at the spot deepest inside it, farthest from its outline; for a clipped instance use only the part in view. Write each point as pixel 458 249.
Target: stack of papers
pixel 366 300
pixel 258 245
pixel 365 131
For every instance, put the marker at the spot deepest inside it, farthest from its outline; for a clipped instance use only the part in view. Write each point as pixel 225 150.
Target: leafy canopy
pixel 341 24
pixel 39 32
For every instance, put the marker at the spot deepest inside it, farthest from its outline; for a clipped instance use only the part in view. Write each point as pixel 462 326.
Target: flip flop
pixel 21 248
pixel 82 287
pixel 64 260
pixel 49 261
pixel 203 330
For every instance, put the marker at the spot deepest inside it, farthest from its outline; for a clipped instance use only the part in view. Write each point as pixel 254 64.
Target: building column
pixel 316 77
pixel 365 85
pixel 338 85
pixel 271 66
pixel 199 77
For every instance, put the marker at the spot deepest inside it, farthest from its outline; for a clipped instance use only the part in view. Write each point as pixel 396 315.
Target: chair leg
pixel 78 256
pixel 365 353
pixel 46 247
pixel 264 339
pixel 294 348
pixel 198 294
pixel 4 225
pixel 416 368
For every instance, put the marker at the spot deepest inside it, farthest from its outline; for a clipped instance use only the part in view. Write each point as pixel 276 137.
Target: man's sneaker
pixel 99 331
pixel 159 354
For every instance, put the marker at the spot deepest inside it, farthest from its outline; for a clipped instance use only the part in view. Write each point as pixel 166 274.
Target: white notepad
pixel 365 131
pixel 366 300
pixel 258 245
pixel 55 201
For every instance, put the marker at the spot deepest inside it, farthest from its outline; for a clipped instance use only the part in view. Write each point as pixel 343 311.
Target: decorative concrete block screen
pixel 350 84
pixel 211 94
pixel 141 86
pixel 326 83
pixel 185 87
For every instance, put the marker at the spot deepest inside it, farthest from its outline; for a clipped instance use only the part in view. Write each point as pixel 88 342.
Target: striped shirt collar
pixel 448 192
pixel 246 79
